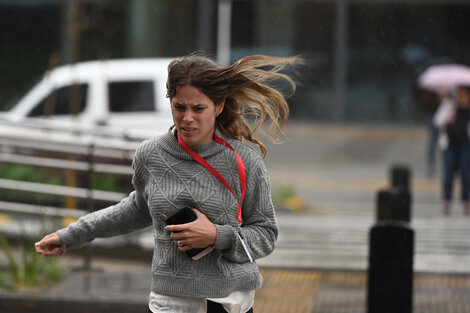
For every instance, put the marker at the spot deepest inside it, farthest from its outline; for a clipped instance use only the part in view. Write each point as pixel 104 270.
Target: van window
pixel 62 101
pixel 131 96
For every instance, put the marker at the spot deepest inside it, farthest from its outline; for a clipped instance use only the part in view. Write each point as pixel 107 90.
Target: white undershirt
pixel 236 302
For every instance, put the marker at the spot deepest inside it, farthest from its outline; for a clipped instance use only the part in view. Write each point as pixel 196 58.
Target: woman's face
pixel 194 115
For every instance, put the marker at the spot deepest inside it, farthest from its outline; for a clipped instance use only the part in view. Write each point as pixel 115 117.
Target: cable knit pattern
pixel 166 178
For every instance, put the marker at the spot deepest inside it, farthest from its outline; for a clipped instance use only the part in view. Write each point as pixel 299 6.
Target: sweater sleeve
pixel 259 229
pixel 130 214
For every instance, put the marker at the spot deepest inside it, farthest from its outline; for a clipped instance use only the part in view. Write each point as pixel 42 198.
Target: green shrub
pixel 29 174
pixel 110 182
pixel 27 268
pixel 281 194
pixel 286 198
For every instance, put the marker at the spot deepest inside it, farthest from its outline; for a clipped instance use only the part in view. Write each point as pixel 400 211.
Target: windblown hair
pixel 246 86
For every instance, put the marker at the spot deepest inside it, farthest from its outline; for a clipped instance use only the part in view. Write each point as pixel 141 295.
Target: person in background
pixel 211 162
pixel 429 102
pixel 452 119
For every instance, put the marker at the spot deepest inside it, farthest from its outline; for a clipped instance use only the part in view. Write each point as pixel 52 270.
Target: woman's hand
pixel 50 245
pixel 197 234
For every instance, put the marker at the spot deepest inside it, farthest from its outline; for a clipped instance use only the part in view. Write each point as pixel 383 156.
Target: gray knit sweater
pixel 166 178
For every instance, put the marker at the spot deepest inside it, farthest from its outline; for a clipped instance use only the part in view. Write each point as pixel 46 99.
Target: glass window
pixel 63 101
pixel 131 96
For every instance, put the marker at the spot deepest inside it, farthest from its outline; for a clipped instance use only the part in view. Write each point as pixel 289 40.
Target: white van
pixel 128 93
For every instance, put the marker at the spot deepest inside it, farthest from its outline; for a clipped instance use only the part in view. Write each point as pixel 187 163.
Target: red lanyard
pixel 241 169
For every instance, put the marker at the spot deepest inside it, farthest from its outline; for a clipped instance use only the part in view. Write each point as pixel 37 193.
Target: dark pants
pixel 432 144
pixel 457 157
pixel 213 307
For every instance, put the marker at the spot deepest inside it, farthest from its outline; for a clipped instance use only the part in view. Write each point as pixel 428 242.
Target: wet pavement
pixel 112 286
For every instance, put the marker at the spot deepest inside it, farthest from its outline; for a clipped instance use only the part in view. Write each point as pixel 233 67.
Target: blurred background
pixel 358 112
pixel 364 56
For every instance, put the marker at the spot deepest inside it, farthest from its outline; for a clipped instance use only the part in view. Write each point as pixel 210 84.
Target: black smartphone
pixel 183 216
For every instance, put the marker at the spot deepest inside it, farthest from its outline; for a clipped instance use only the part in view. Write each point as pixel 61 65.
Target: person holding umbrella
pixel 452 119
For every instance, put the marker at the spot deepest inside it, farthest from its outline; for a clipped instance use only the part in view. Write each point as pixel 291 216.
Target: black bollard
pixel 394 205
pixel 400 176
pixel 390 281
pixel 391 249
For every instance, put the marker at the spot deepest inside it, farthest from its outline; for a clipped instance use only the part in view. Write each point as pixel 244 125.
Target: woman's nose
pixel 188 116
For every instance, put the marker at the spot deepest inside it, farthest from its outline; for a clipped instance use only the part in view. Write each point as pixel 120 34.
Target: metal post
pixel 224 22
pixel 90 200
pixel 91 163
pixel 341 57
pixel 205 25
pixel 138 28
pixel 88 250
pixel 70 46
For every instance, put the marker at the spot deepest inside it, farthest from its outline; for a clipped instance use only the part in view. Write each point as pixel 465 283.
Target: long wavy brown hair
pixel 247 87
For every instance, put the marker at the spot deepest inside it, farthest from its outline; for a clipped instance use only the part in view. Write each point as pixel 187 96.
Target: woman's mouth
pixel 188 130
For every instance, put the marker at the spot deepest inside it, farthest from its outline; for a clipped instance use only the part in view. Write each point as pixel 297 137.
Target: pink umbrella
pixel 444 77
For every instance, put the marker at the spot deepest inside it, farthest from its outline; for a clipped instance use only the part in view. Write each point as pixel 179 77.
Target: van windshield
pixel 66 100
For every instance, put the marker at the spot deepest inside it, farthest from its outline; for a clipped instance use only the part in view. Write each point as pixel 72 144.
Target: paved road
pixel 338 172
pixel 330 242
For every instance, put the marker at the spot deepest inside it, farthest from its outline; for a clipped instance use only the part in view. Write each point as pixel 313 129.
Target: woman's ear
pixel 220 107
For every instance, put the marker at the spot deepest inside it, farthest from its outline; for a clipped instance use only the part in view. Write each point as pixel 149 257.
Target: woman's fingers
pixel 50 245
pixel 197 234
